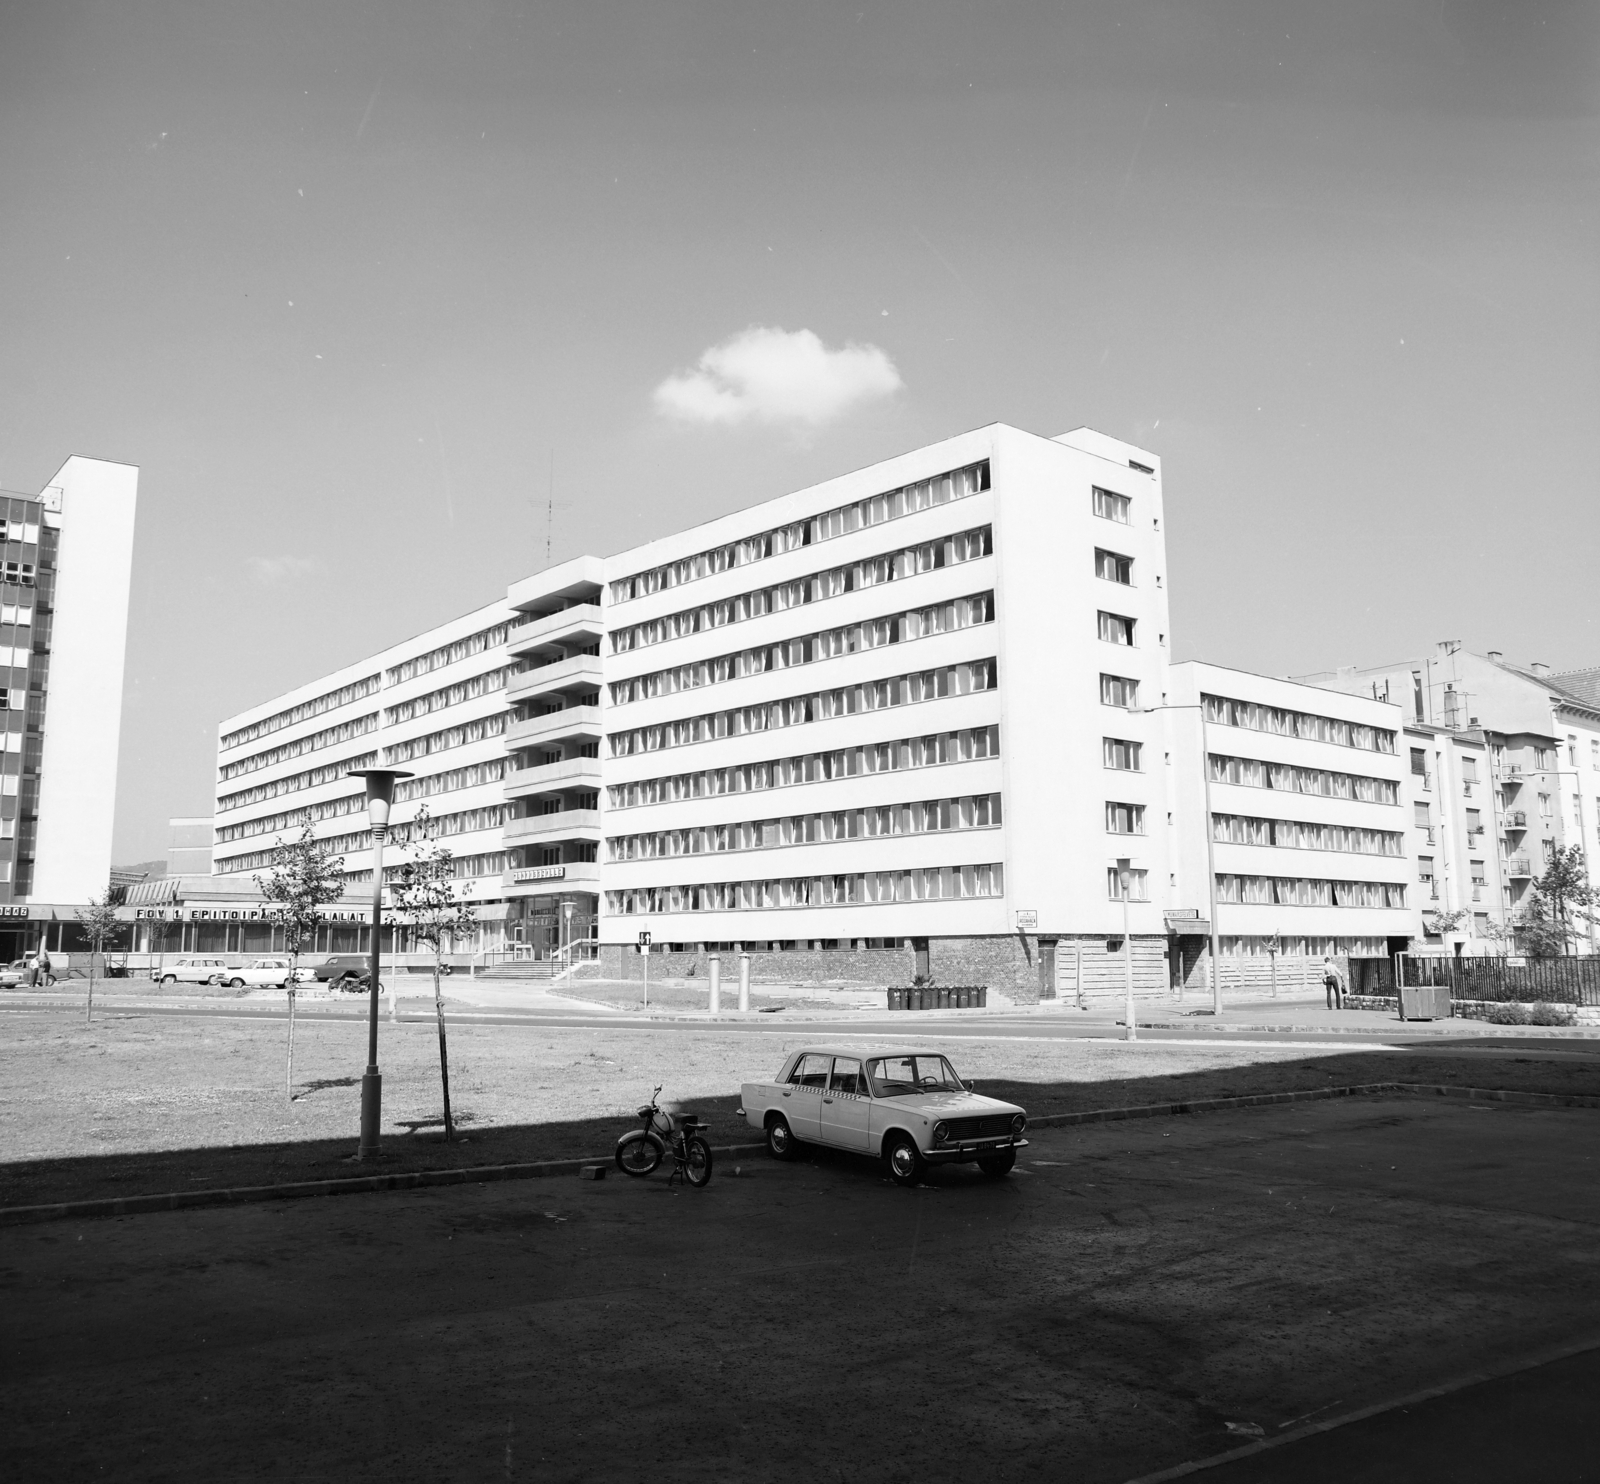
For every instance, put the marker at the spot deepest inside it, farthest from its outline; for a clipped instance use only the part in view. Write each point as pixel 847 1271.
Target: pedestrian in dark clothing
pixel 1333 984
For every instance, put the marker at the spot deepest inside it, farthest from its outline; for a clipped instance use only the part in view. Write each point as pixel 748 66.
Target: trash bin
pixel 983 997
pixel 1424 1001
pixel 941 999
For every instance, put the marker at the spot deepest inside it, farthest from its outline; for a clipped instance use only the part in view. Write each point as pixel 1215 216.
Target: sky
pixel 388 302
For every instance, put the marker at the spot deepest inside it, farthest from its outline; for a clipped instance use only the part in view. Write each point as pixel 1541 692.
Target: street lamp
pixel 1125 886
pixel 1211 848
pixel 380 794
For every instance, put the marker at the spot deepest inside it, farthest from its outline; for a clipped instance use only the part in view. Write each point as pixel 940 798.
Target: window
pixel 811 1071
pixel 1425 869
pixel 1111 506
pixel 1122 754
pixel 1112 567
pixel 1305 725
pixel 1118 690
pixel 1469 770
pixel 1474 822
pixel 1124 819
pixel 1419 762
pixel 1478 878
pixel 1115 628
pixel 1420 816
pixel 1544 757
pixel 1572 750
pixel 1544 806
pixel 1138 885
pixel 847 1077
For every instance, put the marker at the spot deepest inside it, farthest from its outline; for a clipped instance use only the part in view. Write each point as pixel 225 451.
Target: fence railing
pixel 1528 981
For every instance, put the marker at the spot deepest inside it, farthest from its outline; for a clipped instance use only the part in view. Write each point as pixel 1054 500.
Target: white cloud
pixel 777 376
pixel 281 568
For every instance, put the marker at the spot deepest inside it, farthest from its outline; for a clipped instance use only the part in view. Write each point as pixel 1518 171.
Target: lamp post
pixel 1125 886
pixel 1211 849
pixel 380 795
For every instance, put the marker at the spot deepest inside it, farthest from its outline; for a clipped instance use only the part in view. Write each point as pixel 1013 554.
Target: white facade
pixel 929 702
pixel 78 642
pixel 1309 813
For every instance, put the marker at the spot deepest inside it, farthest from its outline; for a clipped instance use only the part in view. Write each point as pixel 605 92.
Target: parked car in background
pixel 907 1108
pixel 189 970
pixel 14 974
pixel 340 971
pixel 260 973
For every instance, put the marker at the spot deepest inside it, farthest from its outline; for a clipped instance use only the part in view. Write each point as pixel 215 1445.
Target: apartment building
pixel 63 630
pixel 1462 888
pixel 873 715
pixel 1541 732
pixel 1293 798
pixel 434 706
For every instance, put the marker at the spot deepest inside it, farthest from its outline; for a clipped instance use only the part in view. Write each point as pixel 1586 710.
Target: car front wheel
pixel 236 984
pixel 169 978
pixel 781 1142
pixel 996 1165
pixel 904 1160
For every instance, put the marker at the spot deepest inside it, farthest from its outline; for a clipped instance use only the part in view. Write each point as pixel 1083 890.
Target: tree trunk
pixel 444 1054
pixel 88 1009
pixel 288 1076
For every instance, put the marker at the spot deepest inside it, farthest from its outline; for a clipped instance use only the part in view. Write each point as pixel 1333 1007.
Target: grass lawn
pixel 139 1103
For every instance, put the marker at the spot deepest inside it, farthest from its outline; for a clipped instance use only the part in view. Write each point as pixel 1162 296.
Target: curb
pixel 1401 1028
pixel 189 1200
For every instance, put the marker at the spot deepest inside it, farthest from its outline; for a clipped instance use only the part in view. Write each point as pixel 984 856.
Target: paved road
pixel 1103 1313
pixel 1539 1426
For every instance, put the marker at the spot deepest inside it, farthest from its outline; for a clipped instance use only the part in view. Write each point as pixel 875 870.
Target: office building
pixel 63 631
pixel 920 718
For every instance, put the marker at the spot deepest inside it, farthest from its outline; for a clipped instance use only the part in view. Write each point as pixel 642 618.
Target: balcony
pixel 1516 819
pixel 1519 867
pixel 531 880
pixel 1511 773
pixel 575 672
pixel 580 625
pixel 566 824
pixel 570 772
pixel 572 721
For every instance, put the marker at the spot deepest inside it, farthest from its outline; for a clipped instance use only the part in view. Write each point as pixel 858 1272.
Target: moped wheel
pixel 697 1162
pixel 638 1153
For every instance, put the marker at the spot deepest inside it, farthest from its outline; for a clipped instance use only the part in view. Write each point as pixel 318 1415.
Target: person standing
pixel 44 966
pixel 1333 983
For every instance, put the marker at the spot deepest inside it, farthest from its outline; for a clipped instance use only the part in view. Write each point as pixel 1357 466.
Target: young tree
pixel 100 926
pixel 305 878
pixel 1567 896
pixel 1539 932
pixel 425 898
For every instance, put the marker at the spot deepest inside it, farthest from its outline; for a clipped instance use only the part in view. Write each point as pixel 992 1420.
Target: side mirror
pixel 972 1087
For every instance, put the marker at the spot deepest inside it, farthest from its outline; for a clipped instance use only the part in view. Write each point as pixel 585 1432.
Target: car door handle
pixel 787 1091
pixel 828 1101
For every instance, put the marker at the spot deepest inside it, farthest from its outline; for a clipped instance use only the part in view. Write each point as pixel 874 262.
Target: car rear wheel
pixel 781 1142
pixel 904 1160
pixel 996 1165
pixel 236 984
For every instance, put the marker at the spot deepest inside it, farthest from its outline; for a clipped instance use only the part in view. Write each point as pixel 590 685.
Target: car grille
pixel 991 1127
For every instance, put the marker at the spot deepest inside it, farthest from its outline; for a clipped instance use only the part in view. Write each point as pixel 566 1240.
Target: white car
pixel 906 1107
pixel 190 971
pixel 260 973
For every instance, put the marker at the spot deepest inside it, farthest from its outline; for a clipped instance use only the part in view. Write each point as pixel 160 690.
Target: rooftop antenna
pixel 550 510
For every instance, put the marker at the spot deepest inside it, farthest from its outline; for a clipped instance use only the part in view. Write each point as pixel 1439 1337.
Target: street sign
pixel 644 940
pixel 1027 921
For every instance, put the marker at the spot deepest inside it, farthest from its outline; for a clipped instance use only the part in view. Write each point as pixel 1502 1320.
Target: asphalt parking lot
pixel 1104 1313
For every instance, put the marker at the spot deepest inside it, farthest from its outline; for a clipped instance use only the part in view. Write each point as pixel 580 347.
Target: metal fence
pixel 1527 981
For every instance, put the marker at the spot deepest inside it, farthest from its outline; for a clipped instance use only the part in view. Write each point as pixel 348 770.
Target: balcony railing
pixel 1518 866
pixel 1516 819
pixel 570 721
pixel 569 772
pixel 576 671
pixel 584 618
pixel 564 824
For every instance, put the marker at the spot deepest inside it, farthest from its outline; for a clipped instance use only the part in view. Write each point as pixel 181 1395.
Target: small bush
pixel 1509 1015
pixel 1552 1015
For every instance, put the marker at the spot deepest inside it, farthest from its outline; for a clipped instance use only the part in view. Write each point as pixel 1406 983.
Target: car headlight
pixel 1018 1124
pixel 941 1132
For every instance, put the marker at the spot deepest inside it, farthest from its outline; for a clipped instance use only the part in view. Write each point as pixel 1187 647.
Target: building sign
pixel 539 873
pixel 235 914
pixel 1027 921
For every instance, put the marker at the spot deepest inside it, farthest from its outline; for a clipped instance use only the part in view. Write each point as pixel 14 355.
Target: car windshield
pixel 899 1076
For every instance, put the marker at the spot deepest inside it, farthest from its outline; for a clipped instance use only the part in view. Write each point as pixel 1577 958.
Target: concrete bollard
pixel 744 981
pixel 716 983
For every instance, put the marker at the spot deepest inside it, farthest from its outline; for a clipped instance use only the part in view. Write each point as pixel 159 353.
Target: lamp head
pixel 380 791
